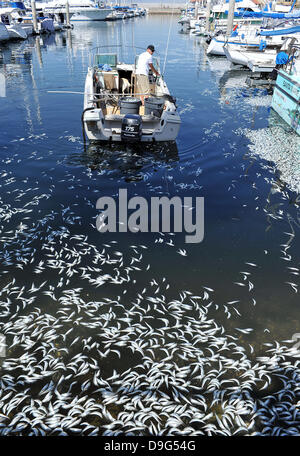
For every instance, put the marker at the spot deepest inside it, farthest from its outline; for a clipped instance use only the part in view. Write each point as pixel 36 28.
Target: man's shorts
pixel 142 82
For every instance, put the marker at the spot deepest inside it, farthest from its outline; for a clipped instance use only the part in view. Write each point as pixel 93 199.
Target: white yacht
pixel 80 10
pixel 56 11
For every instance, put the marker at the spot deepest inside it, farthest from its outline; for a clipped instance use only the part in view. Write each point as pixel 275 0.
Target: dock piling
pixel 68 15
pixel 34 18
pixel 208 3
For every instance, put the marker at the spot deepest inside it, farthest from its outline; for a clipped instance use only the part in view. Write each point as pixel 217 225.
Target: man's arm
pixel 153 69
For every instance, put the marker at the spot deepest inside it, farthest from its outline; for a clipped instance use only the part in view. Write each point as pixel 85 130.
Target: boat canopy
pixel 285 31
pixel 18 5
pixel 244 13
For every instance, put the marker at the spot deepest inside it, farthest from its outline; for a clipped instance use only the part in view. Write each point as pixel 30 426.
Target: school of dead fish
pixel 89 352
pixel 82 362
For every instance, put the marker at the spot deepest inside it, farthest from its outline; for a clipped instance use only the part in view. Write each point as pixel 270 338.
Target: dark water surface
pixel 92 307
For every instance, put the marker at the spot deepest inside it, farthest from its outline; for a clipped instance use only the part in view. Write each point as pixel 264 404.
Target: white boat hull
pixel 216 47
pixel 247 57
pixel 16 32
pixel 97 134
pixel 89 14
pixel 235 56
pixel 259 65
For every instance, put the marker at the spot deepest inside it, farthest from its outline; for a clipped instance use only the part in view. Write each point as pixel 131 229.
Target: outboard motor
pixel 131 130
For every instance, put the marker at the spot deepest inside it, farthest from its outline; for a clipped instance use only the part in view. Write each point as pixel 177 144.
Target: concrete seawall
pixel 163 10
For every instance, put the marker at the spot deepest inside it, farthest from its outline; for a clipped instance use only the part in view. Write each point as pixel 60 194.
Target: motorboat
pixel 80 10
pixel 187 15
pixel 87 10
pixel 13 15
pixel 15 30
pixel 198 19
pixel 199 28
pixel 112 106
pixel 247 37
pixel 220 12
pixel 257 60
pixel 124 12
pixel 191 20
pixel 49 21
pixel 19 21
pixel 56 11
pixel 242 56
pixel 112 15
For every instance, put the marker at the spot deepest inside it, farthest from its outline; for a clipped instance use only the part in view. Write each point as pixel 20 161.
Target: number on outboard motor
pixel 131 130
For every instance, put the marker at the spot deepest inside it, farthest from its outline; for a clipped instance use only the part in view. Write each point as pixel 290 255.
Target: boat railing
pixel 116 49
pixel 293 53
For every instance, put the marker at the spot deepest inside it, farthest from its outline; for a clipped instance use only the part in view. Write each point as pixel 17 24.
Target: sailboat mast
pixel 230 17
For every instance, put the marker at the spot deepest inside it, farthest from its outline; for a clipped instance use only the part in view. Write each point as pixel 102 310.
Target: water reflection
pixel 18 53
pixel 129 161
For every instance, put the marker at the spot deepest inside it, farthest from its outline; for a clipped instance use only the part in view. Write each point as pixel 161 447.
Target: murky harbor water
pixel 113 334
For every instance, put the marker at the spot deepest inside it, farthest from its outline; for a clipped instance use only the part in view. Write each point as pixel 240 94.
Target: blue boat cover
pixel 8 4
pixel 243 13
pixel 282 58
pixel 19 5
pixel 286 31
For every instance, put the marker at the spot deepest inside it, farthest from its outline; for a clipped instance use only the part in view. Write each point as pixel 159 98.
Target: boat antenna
pixel 168 40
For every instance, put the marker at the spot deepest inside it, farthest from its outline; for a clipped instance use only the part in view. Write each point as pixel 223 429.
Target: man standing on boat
pixel 142 72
